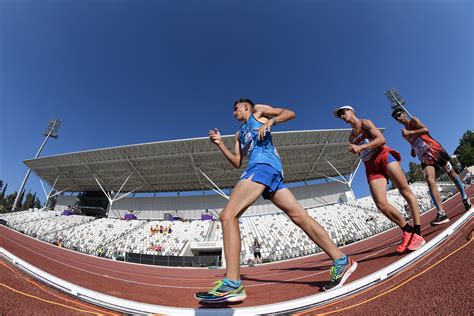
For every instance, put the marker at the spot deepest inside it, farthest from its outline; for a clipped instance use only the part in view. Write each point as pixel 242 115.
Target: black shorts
pixel 442 158
pixel 257 254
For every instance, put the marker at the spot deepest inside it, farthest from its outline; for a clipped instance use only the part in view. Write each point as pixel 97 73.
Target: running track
pixel 267 284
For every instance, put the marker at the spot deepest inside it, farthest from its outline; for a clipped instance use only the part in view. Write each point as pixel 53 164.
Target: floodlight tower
pixel 396 101
pixel 51 131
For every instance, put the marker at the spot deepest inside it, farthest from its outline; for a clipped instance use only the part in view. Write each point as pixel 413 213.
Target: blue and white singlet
pixel 258 151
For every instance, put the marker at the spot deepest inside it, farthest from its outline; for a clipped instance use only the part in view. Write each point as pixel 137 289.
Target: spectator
pixel 257 251
pixel 467 178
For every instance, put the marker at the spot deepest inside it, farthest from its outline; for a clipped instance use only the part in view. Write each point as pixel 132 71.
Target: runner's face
pixel 239 111
pixel 401 117
pixel 346 115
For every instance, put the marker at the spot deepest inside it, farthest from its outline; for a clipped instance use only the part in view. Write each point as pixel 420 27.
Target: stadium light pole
pixel 51 131
pixel 396 101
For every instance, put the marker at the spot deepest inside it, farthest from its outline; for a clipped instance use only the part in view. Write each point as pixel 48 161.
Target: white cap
pixel 344 107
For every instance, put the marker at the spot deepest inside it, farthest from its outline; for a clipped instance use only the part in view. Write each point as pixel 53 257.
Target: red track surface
pixel 41 299
pixel 267 284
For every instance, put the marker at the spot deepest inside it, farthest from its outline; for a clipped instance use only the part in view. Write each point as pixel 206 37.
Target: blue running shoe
pixel 339 273
pixel 222 292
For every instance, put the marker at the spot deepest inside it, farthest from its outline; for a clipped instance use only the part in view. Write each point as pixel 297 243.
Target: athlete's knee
pixel 227 216
pixel 382 205
pixel 431 181
pixel 407 193
pixel 299 218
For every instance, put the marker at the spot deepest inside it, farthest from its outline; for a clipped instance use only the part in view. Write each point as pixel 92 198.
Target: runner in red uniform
pixel 432 157
pixel 382 163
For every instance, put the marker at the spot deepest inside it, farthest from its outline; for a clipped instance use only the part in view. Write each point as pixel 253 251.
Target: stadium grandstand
pixel 157 205
pixel 190 181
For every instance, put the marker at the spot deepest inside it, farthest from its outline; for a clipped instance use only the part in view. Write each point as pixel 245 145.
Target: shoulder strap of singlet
pixel 363 131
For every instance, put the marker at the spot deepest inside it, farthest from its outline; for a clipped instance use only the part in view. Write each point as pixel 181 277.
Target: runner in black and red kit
pixel 432 157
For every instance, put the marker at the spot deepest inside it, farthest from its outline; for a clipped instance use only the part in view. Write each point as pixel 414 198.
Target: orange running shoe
pixel 416 242
pixel 406 237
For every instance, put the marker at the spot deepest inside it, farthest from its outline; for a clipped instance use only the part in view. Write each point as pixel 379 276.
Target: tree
pixel 2 197
pixel 9 200
pixel 20 199
pixel 37 203
pixel 465 150
pixel 29 201
pixel 6 202
pixel 415 173
pixel 4 190
pixel 52 201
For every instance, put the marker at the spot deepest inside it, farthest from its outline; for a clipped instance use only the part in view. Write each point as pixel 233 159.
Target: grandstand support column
pixel 335 169
pixel 106 194
pixel 117 195
pixel 344 181
pixel 351 178
pixel 217 190
pixel 196 170
pixel 49 195
pixel 316 161
pixel 51 131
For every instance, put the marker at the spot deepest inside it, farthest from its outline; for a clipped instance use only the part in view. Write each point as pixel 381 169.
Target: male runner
pixel 433 157
pixel 382 163
pixel 263 176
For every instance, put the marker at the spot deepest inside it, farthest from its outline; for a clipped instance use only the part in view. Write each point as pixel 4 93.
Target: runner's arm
pixel 276 115
pixel 378 138
pixel 236 158
pixel 273 116
pixel 420 128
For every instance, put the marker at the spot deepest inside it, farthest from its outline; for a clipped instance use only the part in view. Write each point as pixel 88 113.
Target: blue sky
pixel 126 72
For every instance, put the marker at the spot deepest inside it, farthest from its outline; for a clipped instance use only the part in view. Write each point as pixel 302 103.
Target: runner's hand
pixel 405 133
pixel 215 136
pixel 355 149
pixel 262 131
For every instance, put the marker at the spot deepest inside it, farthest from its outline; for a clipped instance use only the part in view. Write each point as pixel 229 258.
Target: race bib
pixel 366 154
pixel 420 147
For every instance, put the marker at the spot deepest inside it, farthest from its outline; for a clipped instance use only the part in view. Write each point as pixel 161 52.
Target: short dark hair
pixel 396 111
pixel 242 100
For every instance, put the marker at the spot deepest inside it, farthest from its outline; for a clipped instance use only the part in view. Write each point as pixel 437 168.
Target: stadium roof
pixel 188 164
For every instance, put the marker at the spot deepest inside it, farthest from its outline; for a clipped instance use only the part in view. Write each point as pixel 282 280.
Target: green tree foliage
pixel 4 191
pixel 24 203
pixel 29 201
pixel 52 201
pixel 9 200
pixel 465 150
pixel 415 173
pixel 37 203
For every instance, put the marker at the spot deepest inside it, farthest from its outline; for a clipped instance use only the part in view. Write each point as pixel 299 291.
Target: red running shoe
pixel 406 237
pixel 416 242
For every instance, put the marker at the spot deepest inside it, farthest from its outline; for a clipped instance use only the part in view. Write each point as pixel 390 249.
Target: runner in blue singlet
pixel 263 176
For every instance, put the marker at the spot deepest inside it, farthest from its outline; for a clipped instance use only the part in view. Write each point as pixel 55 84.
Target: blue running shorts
pixel 266 175
pixel 391 158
